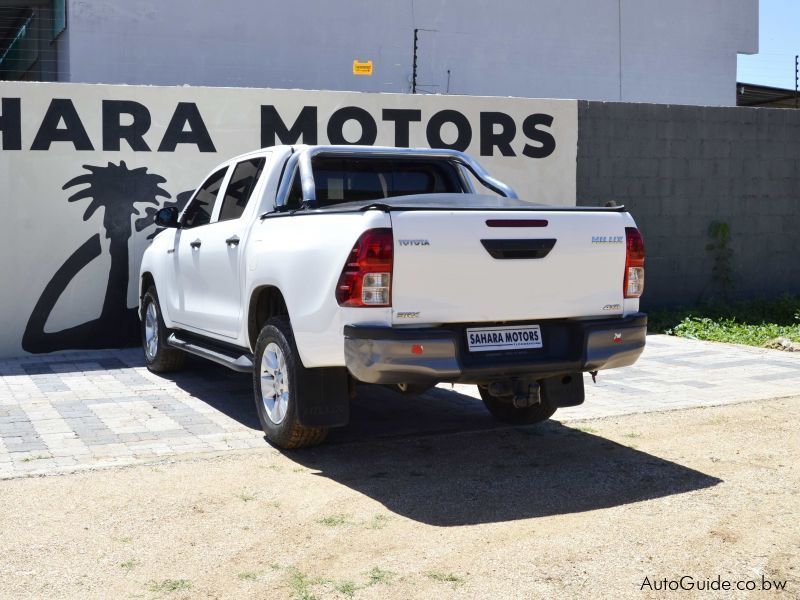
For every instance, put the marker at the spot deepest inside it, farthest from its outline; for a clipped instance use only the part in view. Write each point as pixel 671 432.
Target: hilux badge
pixel 608 239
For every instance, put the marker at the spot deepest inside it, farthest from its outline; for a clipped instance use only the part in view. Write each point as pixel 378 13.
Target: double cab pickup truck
pixel 320 267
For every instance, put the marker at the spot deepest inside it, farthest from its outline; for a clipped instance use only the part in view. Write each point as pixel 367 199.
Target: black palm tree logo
pixel 116 189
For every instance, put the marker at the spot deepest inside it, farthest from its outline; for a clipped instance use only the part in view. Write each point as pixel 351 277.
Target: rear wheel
pixel 502 408
pixel 159 357
pixel 279 382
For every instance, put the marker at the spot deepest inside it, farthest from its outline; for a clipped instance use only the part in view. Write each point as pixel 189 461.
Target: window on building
pixel 28 31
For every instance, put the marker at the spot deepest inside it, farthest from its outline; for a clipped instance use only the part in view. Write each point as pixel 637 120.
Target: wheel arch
pixel 146 280
pixel 266 301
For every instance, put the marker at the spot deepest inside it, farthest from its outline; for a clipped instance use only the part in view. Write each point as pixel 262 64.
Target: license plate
pixel 486 339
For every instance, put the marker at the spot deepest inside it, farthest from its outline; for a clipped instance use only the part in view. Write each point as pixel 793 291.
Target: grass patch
pixel 445 578
pixel 379 522
pixel 248 575
pixel 586 429
pixel 301 584
pixel 37 457
pixel 169 585
pixel 246 497
pixel 334 520
pixel 378 575
pixel 632 435
pixel 129 564
pixel 348 588
pixel 752 323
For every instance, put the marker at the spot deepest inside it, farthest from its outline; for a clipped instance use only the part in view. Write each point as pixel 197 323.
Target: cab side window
pixel 202 206
pixel 240 188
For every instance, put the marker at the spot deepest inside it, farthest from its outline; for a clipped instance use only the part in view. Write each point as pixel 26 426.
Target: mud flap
pixel 326 401
pixel 564 390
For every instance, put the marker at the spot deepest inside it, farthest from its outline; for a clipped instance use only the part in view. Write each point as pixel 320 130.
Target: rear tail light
pixel 366 278
pixel 633 285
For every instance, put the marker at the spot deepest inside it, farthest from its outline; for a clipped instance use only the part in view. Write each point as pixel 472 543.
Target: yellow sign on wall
pixel 362 68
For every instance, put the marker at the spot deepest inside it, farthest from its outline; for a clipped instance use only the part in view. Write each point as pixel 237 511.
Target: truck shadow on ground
pixel 226 391
pixel 501 474
pixel 376 413
pixel 440 459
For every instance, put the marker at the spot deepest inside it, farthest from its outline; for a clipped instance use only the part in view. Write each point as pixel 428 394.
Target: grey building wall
pixel 681 168
pixel 681 51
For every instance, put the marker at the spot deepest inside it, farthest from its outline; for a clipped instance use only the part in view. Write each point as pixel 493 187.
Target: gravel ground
pixel 585 510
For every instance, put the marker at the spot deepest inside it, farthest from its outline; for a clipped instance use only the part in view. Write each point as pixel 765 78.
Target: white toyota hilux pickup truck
pixel 319 267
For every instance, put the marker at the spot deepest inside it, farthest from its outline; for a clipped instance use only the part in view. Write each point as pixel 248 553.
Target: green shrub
pixel 751 322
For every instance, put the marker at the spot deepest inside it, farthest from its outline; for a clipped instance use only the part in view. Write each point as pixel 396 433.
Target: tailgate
pixel 468 266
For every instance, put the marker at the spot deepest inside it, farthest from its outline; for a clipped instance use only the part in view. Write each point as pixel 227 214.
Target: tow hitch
pixel 523 392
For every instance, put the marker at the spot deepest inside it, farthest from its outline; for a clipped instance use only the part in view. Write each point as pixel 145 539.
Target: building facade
pixel 677 52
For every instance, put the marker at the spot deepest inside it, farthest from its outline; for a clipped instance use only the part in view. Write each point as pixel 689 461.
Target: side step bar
pixel 229 358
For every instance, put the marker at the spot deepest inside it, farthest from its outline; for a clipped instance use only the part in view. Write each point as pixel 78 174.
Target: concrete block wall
pixel 680 168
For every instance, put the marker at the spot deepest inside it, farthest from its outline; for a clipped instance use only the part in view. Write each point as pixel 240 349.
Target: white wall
pixel 676 51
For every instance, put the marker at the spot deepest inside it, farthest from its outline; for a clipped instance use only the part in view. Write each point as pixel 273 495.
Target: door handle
pixel 196 244
pixel 233 240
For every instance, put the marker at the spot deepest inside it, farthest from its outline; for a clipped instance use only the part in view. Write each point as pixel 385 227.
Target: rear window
pixel 352 179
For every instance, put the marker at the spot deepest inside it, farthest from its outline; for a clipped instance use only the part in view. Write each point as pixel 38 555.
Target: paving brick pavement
pixel 80 410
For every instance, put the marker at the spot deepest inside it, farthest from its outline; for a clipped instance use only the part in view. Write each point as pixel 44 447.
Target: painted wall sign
pixel 83 169
pixel 362 68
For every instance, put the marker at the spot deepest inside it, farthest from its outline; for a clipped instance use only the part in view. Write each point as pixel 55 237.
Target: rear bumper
pixel 384 354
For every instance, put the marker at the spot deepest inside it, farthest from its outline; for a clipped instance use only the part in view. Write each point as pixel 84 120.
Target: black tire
pixel 164 359
pixel 287 432
pixel 412 389
pixel 504 410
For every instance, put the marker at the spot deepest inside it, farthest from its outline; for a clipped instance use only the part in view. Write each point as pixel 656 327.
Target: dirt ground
pixel 585 510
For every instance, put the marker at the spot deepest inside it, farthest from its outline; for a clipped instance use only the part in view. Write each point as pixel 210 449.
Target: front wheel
pixel 503 409
pixel 159 357
pixel 279 380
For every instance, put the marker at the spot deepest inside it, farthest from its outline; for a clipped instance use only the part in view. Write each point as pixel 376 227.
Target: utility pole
pixel 796 80
pixel 414 64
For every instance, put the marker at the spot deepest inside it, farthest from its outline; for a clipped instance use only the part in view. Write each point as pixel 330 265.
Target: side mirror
pixel 167 217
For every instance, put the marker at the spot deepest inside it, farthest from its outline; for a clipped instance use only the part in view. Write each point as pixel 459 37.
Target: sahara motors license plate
pixel 486 339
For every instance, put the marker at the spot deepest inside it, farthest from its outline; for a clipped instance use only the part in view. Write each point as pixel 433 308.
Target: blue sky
pixel 778 44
